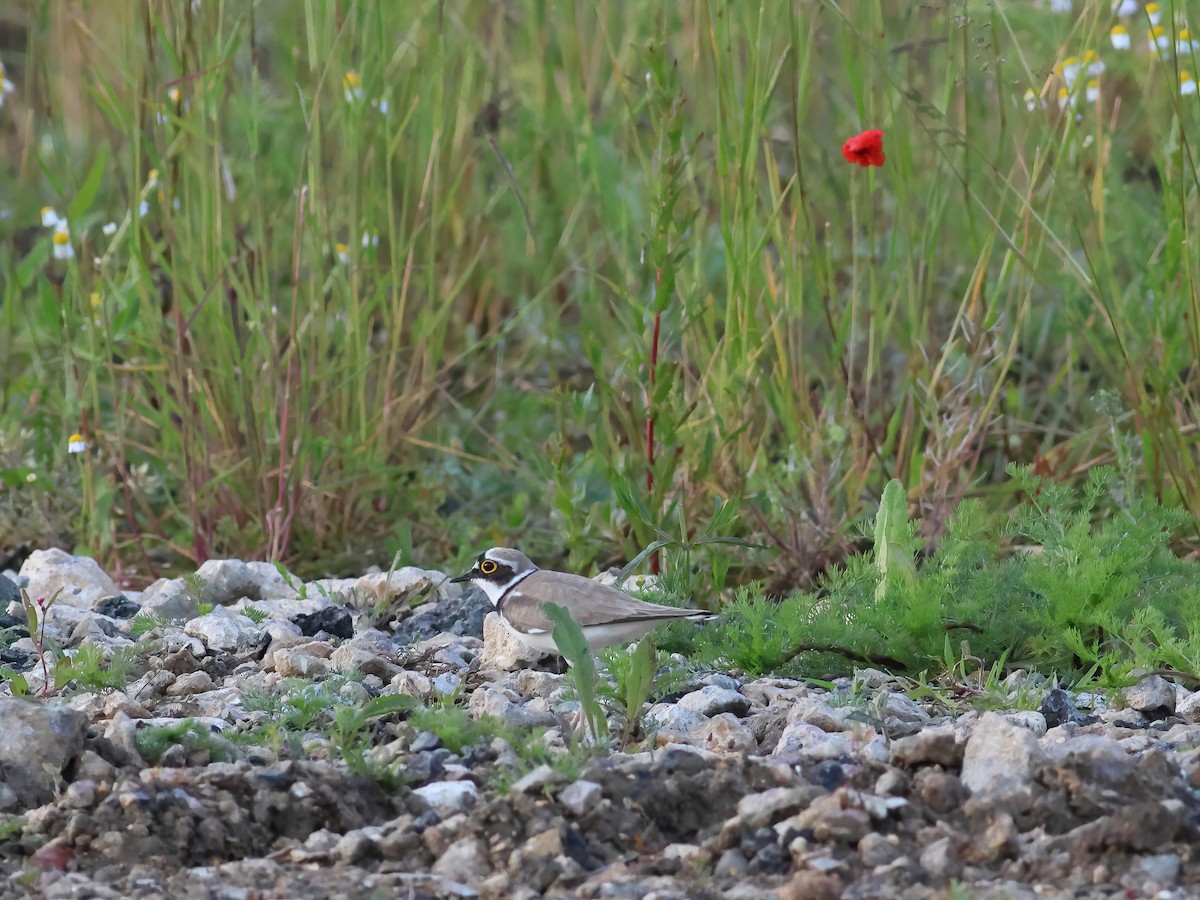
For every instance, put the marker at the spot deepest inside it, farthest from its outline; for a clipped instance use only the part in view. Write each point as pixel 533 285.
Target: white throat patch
pixel 496 591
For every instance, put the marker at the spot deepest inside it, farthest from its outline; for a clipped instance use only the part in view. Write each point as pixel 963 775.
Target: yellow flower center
pixel 61 238
pixel 75 439
pixel 351 80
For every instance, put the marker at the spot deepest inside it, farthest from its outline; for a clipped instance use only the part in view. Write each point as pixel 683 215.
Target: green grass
pixel 255 380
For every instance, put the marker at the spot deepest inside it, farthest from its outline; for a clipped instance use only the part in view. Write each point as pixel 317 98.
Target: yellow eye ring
pixel 487 567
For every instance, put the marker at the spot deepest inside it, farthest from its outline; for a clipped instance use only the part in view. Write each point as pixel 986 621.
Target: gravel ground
pixel 746 788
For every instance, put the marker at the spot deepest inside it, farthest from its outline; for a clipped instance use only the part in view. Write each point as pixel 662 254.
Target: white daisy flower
pixel 1153 13
pixel 62 242
pixel 343 254
pixel 1184 43
pixel 1120 37
pixel 1092 93
pixel 1065 98
pixel 1125 7
pixel 1060 6
pixel 1187 84
pixel 76 444
pixel 352 87
pixel 109 229
pixel 1033 101
pixel 50 218
pixel 1069 70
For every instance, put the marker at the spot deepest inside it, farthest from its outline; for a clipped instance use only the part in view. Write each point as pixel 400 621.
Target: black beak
pixel 462 578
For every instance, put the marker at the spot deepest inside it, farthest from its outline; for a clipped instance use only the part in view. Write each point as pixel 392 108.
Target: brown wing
pixel 604 605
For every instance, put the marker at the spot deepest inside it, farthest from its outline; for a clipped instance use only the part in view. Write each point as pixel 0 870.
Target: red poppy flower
pixel 866 149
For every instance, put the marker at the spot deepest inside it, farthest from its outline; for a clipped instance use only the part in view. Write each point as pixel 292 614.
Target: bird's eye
pixel 487 567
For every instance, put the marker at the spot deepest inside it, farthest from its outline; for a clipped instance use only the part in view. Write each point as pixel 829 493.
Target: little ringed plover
pixel 518 590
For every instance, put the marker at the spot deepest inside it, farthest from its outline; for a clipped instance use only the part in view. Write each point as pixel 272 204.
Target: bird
pixel 518 590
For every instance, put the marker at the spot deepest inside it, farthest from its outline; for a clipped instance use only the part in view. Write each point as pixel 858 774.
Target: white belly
pixel 598 636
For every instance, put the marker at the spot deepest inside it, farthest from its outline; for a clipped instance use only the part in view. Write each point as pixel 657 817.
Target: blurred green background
pixel 358 281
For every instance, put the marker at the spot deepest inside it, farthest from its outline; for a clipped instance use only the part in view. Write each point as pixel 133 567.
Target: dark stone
pixel 462 615
pixel 9 592
pixel 772 859
pixel 828 774
pixel 333 620
pixel 118 606
pixel 14 622
pixel 16 659
pixel 1059 709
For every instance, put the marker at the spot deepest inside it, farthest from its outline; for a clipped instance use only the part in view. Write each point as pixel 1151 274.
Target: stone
pixel 448 684
pixel 939 791
pixel 805 743
pixel 538 780
pixel 9 592
pixel 413 684
pixel 1059 709
pixel 999 761
pixel 117 606
pixel 503 650
pixel 191 683
pixel 731 864
pixel 171 599
pixel 272 583
pixel 581 797
pixel 1188 708
pixel 333 620
pixel 364 657
pixel 36 744
pixel 726 733
pixel 809 884
pixel 712 700
pixel 1028 719
pixel 301 662
pixel 876 849
pixel 769 806
pixel 1153 697
pixel 938 745
pixel 223 630
pixel 1162 869
pixel 225 581
pixel 673 722
pixel 940 859
pixel 815 711
pixel 82 582
pixel 901 708
pixel 449 797
pixel 998 841
pixel 464 860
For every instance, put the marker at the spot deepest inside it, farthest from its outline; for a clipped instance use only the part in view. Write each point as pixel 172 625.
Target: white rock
pixel 726 733
pixel 82 581
pixel 463 861
pixel 808 743
pixel 170 598
pixel 816 711
pixel 581 797
pixel 1188 708
pixel 300 662
pixel 674 722
pixel 414 684
pixel 226 581
pixel 271 584
pixel 449 797
pixel 446 684
pixel 504 650
pixel 355 658
pixel 1029 719
pixel 904 709
pixel 36 743
pixel 224 630
pixel 712 699
pixel 999 760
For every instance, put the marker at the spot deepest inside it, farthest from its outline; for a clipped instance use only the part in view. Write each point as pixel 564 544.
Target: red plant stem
pixel 41 648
